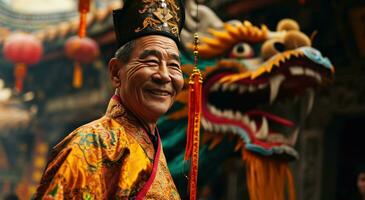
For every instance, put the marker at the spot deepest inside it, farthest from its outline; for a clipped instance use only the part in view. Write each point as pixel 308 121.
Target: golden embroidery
pixel 149 21
pixel 163 14
pixel 162 18
pixel 163 182
pixel 110 158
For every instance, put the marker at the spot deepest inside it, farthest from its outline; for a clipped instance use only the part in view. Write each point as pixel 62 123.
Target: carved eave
pixel 55 26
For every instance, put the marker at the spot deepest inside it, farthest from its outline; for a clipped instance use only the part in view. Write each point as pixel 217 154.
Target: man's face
pixel 152 78
pixel 361 182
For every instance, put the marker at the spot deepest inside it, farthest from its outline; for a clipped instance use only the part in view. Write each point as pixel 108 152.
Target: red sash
pixel 142 193
pixel 149 182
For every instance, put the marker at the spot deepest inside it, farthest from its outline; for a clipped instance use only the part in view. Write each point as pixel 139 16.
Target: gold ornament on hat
pixel 164 16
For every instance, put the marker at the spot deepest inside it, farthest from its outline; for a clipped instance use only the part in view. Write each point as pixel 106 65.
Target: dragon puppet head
pixel 260 87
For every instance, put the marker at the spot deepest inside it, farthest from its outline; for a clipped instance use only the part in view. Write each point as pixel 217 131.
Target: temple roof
pixel 52 20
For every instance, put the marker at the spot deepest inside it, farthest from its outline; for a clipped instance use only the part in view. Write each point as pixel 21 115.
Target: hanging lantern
pixel 22 49
pixel 83 50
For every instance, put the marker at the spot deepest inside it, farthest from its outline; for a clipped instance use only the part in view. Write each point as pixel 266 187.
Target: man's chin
pixel 158 109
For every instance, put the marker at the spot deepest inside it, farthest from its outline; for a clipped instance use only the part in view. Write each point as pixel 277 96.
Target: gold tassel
pixel 77 77
pixel 193 130
pixel 20 72
pixel 268 178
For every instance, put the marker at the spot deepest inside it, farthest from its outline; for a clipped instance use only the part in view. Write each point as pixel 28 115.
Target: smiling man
pixel 150 80
pixel 119 156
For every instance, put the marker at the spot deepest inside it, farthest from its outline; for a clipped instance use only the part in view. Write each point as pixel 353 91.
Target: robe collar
pixel 117 111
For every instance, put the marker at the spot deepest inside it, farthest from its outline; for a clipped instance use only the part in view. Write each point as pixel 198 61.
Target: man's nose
pixel 162 75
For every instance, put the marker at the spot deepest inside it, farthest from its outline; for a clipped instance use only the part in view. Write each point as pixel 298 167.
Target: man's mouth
pixel 159 92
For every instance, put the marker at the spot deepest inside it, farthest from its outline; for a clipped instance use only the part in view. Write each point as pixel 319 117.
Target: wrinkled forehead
pixel 158 45
pixel 157 41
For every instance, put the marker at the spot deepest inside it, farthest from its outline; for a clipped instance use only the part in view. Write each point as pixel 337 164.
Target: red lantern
pixel 22 49
pixel 83 50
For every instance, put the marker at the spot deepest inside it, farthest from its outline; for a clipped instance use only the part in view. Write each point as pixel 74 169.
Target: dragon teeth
pixel 299 71
pixel 296 70
pixel 318 77
pixel 262 86
pixel 313 74
pixel 205 123
pixel 263 132
pixel 232 129
pixel 251 88
pixel 215 110
pixel 229 114
pixel 225 87
pixel 216 128
pixel 253 126
pixel 310 92
pixel 309 72
pixel 245 119
pixel 242 89
pixel 233 87
pixel 215 87
pixel 276 138
pixel 238 115
pixel 293 138
pixel 224 128
pixel 275 83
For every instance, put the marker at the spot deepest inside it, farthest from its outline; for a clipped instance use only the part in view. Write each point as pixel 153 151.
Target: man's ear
pixel 114 67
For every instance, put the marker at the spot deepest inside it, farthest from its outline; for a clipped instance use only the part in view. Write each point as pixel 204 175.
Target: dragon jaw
pixel 232 100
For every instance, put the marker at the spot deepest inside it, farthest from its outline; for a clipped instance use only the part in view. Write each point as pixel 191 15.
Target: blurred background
pixel 46 92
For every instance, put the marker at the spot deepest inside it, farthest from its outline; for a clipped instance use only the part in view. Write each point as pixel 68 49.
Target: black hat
pixel 139 18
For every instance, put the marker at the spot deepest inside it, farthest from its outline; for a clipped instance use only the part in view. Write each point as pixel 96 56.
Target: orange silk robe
pixel 109 158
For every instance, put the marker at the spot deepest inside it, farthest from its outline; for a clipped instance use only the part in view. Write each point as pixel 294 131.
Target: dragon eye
pixel 242 50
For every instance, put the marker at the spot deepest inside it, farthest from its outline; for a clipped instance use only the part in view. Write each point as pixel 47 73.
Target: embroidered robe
pixel 109 158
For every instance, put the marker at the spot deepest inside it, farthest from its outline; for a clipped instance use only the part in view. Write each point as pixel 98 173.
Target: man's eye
pixel 175 65
pixel 152 62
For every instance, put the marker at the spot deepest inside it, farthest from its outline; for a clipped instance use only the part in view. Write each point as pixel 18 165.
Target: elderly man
pixel 119 156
